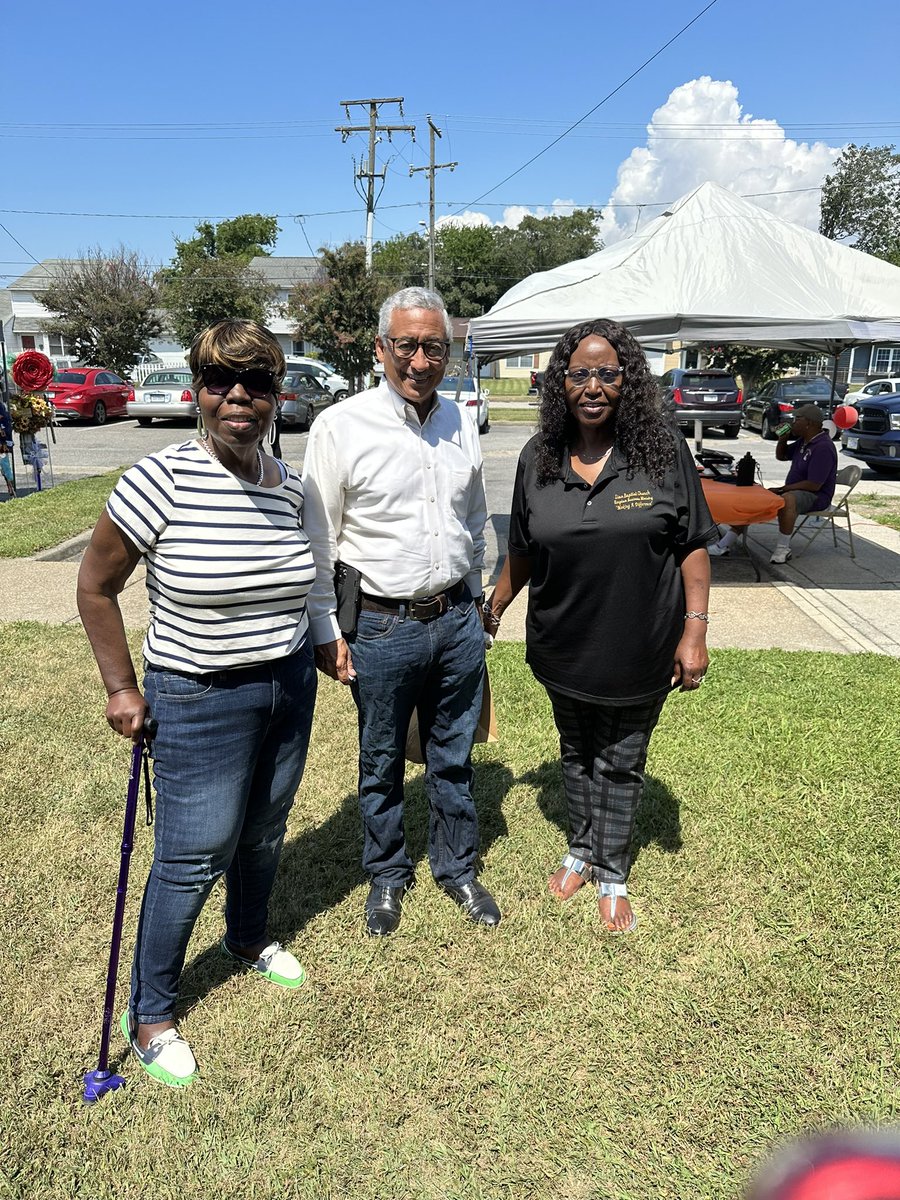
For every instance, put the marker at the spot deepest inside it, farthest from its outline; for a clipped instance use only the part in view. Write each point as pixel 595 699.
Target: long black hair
pixel 642 434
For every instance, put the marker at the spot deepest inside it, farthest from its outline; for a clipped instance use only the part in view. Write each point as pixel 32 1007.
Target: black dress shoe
pixel 476 902
pixel 383 908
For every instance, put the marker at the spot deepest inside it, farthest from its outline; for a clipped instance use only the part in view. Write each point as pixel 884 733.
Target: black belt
pixel 425 608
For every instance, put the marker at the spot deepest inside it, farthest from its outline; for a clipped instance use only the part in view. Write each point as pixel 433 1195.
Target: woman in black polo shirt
pixel 609 529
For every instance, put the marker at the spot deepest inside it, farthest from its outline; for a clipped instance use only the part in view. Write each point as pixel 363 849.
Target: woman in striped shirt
pixel 229 672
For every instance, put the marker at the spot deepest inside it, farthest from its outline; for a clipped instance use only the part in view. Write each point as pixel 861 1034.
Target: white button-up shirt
pixel 400 501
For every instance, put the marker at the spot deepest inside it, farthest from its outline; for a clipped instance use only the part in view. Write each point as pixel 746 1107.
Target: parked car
pixel 871 390
pixel 302 398
pixel 164 394
pixel 472 398
pixel 875 438
pixel 536 383
pixel 325 374
pixel 89 394
pixel 774 403
pixel 704 394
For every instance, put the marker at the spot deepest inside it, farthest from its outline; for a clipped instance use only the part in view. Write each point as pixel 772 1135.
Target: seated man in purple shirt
pixel 809 486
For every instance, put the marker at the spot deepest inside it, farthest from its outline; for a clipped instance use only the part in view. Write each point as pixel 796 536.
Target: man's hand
pixel 333 659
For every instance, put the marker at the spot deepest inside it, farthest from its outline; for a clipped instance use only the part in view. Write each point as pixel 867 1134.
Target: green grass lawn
pixel 43 519
pixel 514 416
pixel 758 998
pixel 506 387
pixel 878 507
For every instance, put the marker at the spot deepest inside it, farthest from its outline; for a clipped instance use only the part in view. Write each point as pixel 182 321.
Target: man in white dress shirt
pixel 393 489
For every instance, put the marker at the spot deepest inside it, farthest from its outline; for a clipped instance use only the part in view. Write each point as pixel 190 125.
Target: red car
pixel 89 394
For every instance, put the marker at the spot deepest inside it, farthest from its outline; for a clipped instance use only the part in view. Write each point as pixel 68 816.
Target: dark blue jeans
pixel 436 667
pixel 227 761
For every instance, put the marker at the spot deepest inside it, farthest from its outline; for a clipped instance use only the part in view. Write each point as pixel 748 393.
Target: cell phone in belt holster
pixel 347 591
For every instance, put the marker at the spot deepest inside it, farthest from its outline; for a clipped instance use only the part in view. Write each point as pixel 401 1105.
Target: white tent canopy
pixel 713 268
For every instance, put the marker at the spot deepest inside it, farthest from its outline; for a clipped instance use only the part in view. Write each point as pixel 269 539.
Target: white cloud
pixel 512 216
pixel 700 134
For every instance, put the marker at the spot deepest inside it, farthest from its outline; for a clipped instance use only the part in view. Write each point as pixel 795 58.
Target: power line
pixel 334 212
pixel 608 96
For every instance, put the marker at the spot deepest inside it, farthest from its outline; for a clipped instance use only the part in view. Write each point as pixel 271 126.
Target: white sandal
pixel 614 890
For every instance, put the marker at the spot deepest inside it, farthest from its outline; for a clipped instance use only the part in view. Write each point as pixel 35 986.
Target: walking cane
pixel 97 1083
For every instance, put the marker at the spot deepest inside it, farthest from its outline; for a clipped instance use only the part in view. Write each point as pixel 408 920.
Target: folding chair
pixel 847 479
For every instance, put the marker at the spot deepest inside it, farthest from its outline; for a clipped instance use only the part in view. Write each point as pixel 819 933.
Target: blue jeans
pixel 436 667
pixel 227 761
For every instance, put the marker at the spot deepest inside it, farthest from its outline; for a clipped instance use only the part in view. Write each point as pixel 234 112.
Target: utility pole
pixel 373 129
pixel 431 168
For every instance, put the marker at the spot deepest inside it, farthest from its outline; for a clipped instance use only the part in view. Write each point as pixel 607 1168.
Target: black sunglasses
pixel 256 381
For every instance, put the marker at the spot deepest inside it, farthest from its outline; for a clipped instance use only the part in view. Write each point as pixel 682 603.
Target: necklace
pixel 594 457
pixel 211 451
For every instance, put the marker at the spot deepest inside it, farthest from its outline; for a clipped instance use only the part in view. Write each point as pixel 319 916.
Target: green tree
pixel 755 365
pixel 475 265
pixel 238 239
pixel 400 262
pixel 861 200
pixel 104 307
pixel 209 278
pixel 340 314
pixel 542 243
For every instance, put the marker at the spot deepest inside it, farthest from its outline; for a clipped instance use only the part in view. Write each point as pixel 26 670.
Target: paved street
pixel 823 600
pixel 82 450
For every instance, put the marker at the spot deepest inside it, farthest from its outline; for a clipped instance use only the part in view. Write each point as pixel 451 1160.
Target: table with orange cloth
pixel 733 505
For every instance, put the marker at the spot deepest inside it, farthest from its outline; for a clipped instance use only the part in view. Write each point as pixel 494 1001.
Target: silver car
pixel 302 399
pixel 165 393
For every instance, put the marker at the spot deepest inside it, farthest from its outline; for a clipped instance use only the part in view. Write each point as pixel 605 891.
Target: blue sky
pixel 201 110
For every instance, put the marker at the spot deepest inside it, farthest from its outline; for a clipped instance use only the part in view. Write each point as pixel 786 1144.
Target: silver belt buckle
pixel 426 610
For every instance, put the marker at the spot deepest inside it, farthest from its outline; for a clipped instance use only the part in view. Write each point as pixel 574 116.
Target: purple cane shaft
pixel 134 785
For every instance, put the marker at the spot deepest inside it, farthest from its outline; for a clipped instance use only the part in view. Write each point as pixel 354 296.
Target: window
pixel 298 347
pixel 55 342
pixel 27 341
pixel 521 360
pixel 885 360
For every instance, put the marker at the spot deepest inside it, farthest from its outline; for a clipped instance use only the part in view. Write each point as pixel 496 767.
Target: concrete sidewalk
pixel 821 600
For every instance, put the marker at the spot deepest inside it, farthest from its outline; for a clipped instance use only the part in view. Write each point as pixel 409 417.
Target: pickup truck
pixel 875 438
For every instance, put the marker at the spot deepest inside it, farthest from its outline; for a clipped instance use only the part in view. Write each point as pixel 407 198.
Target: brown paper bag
pixel 485 731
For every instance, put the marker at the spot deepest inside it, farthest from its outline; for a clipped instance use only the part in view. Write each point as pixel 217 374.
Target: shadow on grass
pixel 321 866
pixel 658 817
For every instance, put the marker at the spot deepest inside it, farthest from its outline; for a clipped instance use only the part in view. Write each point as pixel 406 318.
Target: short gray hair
pixel 413 297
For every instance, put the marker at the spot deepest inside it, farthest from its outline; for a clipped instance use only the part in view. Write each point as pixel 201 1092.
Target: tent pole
pixel 831 404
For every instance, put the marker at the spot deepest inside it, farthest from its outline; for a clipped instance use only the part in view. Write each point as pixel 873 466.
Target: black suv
pixel 704 394
pixel 774 403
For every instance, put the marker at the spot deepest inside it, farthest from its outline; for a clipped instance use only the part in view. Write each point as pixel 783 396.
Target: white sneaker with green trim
pixel 168 1058
pixel 275 964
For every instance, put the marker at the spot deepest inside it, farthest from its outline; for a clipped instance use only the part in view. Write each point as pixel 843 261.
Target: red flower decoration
pixel 32 371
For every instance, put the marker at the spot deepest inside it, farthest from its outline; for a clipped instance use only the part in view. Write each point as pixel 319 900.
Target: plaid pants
pixel 603 750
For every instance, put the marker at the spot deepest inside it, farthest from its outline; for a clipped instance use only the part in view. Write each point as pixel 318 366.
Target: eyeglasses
pixel 406 347
pixel 256 381
pixel 581 375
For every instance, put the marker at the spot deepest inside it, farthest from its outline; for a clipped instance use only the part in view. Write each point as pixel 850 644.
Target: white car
pixel 472 398
pixel 324 373
pixel 872 390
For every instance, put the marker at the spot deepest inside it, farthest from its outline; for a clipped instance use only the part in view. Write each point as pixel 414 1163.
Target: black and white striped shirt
pixel 228 563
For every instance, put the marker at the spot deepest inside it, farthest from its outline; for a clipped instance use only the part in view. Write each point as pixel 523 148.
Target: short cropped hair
pixel 413 297
pixel 237 342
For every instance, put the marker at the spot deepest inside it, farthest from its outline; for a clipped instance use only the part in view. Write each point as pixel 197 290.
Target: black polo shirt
pixel 606 599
